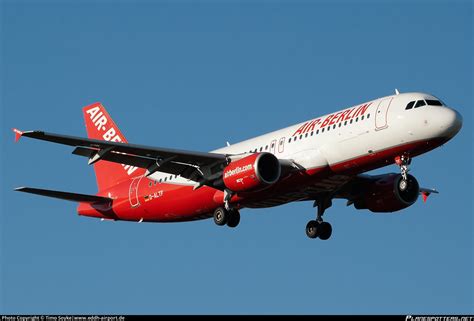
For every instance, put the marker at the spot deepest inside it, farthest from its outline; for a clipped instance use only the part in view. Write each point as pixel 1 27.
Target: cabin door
pixel 133 192
pixel 381 115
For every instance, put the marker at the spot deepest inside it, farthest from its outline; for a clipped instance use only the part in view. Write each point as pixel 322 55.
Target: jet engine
pixel 389 193
pixel 252 173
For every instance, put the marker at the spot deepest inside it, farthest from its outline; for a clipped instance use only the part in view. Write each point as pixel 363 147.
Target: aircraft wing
pixel 197 166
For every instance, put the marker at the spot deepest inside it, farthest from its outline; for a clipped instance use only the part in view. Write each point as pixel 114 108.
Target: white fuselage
pixel 351 133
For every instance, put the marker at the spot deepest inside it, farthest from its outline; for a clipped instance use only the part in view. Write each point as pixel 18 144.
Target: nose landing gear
pixel 403 162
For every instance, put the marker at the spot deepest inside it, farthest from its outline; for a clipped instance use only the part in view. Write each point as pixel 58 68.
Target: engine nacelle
pixel 389 194
pixel 252 173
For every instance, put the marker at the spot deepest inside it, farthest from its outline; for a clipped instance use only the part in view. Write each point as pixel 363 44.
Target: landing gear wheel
pixel 319 228
pixel 403 185
pixel 233 219
pixel 403 162
pixel 325 230
pixel 221 216
pixel 312 229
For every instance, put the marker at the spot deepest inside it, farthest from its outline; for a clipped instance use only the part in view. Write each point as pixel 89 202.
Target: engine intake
pixel 389 194
pixel 252 173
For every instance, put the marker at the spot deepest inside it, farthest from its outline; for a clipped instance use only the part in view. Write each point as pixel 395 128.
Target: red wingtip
pixel 18 134
pixel 425 196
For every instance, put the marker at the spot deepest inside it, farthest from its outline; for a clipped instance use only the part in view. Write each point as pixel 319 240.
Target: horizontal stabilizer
pixel 65 195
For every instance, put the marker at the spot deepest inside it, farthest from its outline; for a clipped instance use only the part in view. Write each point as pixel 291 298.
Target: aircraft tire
pixel 234 218
pixel 312 229
pixel 325 230
pixel 221 216
pixel 403 185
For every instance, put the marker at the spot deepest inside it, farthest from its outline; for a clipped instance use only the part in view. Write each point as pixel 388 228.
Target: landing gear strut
pixel 227 197
pixel 403 162
pixel 319 228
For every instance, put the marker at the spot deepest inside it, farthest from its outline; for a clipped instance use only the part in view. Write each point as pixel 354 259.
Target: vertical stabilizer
pixel 99 125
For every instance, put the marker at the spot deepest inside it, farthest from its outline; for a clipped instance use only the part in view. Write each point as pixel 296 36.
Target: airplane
pixel 318 160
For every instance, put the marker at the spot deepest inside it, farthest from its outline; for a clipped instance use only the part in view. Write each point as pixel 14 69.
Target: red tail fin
pixel 99 125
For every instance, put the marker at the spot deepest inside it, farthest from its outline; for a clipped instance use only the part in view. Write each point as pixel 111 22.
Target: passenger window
pixel 150 184
pixel 261 148
pixel 368 115
pixel 160 180
pixel 357 119
pixel 410 105
pixel 317 131
pixel 420 103
pixel 340 124
pixel 312 133
pixel 433 102
pixel 301 136
pixel 345 123
pixel 266 147
pixel 294 138
pixel 350 122
pixel 165 179
pixel 362 118
pixel 322 130
pixel 289 140
pixel 306 135
pixel 329 128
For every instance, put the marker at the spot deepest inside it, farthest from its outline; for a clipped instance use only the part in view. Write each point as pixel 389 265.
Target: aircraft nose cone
pixel 453 122
pixel 456 122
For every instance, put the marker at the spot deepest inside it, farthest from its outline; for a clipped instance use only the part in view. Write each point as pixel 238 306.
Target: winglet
pixel 425 196
pixel 425 192
pixel 18 134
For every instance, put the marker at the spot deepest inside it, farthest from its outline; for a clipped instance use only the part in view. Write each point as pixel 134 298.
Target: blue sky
pixel 193 76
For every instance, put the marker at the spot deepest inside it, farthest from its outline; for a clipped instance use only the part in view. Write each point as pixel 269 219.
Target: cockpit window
pixel 420 103
pixel 433 102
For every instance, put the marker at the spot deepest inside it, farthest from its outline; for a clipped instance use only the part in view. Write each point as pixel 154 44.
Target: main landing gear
pixel 403 161
pixel 227 214
pixel 319 228
pixel 223 216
